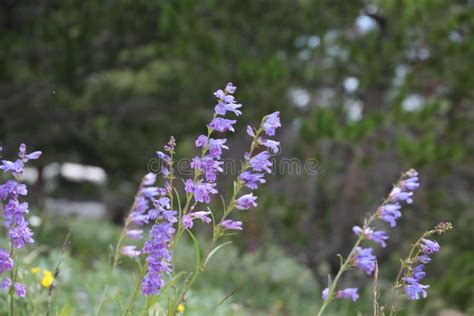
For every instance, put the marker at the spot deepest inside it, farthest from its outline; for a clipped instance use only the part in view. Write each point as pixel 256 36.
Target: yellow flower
pixel 47 279
pixel 35 270
pixel 180 308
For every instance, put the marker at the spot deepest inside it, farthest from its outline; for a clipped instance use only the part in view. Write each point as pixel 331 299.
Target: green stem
pixel 12 277
pixel 117 255
pixel 405 265
pixel 130 306
pixel 345 265
pixel 217 231
pixel 342 269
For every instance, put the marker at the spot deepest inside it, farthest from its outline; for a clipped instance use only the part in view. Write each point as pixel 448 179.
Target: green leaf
pixel 197 249
pixel 173 280
pixel 215 250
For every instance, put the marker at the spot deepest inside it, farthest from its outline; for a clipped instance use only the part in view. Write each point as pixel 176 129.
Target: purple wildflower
pixel 131 251
pixel 246 201
pixel 163 156
pixel 390 213
pixel 6 283
pixel 418 272
pixel 14 211
pixel 203 191
pixel 222 107
pixel 20 235
pixel 413 289
pixel 325 293
pixel 398 195
pixel 222 125
pixel 424 258
pixel 429 246
pixel 251 180
pixel 365 260
pixel 201 141
pixel 272 145
pixel 20 289
pixel 202 215
pixel 378 236
pixel 159 257
pixel 230 88
pixel 271 123
pixel 250 131
pixel 216 146
pixel 135 233
pixel 149 179
pixel 208 166
pixel 261 162
pixel 189 186
pixel 6 262
pixel 411 183
pixel 187 221
pixel 230 224
pixel 348 293
pixel 188 218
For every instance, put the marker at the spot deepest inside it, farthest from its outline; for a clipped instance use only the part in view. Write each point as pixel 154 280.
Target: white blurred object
pixel 75 172
pixel 87 209
pixel 413 102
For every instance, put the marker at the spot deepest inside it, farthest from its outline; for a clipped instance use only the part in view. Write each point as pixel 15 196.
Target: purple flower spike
pixel 246 201
pixel 230 224
pixel 364 260
pixel 348 293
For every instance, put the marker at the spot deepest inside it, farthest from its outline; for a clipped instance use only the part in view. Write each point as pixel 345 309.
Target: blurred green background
pixel 367 88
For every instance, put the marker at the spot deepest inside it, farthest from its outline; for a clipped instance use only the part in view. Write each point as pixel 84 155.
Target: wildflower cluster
pixel 153 204
pixel 254 168
pixel 363 258
pixel 414 264
pixel 14 212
